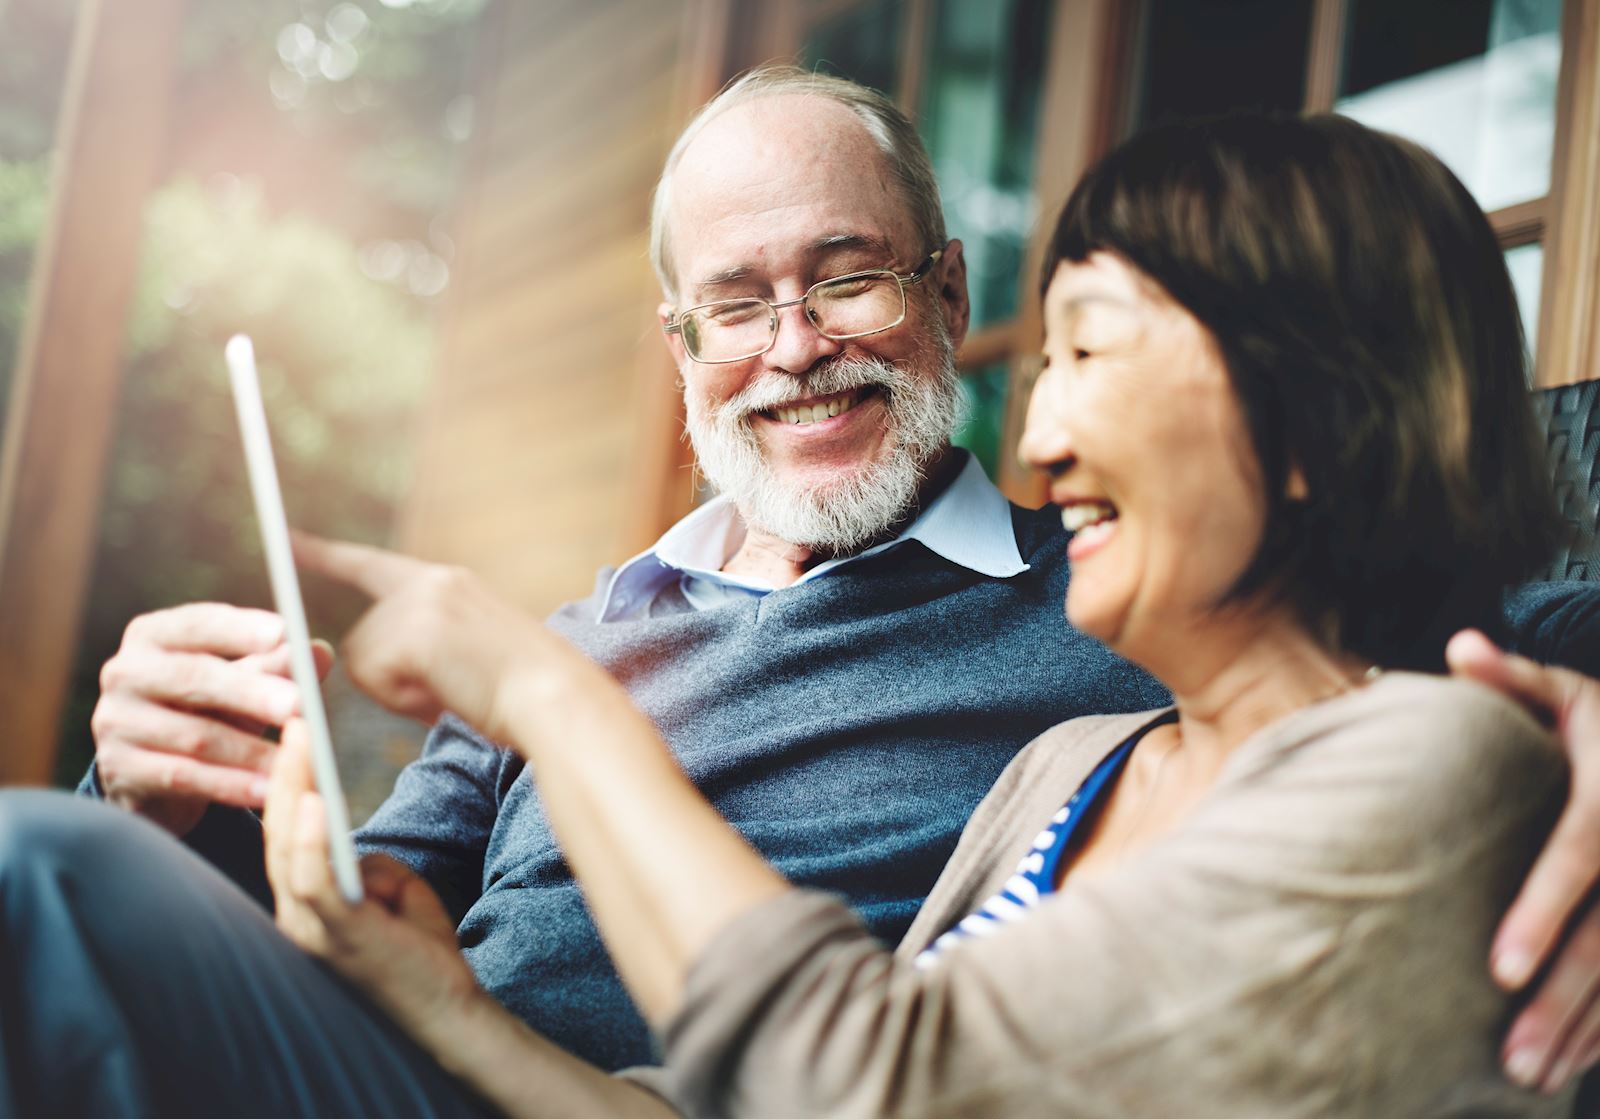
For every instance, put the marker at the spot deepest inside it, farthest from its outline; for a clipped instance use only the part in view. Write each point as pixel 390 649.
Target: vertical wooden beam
pixel 914 47
pixel 111 146
pixel 781 28
pixel 418 509
pixel 1569 319
pixel 1086 67
pixel 1325 54
pixel 663 468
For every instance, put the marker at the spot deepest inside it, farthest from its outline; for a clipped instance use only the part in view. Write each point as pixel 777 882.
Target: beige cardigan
pixel 1311 941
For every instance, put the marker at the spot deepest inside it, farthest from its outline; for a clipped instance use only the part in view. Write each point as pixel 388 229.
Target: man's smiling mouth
pixel 820 408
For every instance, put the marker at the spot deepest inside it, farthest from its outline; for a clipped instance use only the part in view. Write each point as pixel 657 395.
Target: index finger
pixel 371 570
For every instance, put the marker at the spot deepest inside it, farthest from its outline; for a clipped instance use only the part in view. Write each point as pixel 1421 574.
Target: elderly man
pixel 842 648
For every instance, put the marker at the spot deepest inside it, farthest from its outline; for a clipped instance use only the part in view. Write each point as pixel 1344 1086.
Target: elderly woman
pixel 1283 412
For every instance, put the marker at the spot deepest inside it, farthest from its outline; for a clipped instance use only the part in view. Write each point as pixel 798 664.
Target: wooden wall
pixel 548 447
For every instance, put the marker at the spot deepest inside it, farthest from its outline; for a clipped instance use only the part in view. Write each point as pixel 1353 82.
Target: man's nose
pixel 799 344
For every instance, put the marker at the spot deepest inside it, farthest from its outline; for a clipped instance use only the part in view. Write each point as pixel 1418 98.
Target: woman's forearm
pixel 663 872
pixel 526 1075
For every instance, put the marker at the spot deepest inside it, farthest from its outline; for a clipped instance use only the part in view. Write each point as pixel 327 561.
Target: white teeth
pixel 1081 514
pixel 811 413
pixel 1095 533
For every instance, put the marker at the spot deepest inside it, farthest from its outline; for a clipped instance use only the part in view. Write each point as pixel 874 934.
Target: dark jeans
pixel 137 980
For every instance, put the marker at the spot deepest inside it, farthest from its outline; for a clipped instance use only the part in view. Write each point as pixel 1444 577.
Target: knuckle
pixel 444 579
pixel 103 723
pixel 114 673
pixel 108 760
pixel 173 778
pixel 139 630
pixel 185 681
pixel 189 739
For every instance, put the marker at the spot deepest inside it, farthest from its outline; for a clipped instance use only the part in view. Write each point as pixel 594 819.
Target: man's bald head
pixel 903 156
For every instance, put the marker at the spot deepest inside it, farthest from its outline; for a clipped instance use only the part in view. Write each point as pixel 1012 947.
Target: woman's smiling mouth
pixel 1091 523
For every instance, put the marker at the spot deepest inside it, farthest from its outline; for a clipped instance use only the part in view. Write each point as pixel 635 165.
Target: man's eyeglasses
pixel 844 307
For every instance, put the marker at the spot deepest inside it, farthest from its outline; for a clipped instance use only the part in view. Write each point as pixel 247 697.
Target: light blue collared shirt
pixel 968 524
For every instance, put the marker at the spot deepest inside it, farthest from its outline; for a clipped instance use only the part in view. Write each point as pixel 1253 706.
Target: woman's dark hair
pixel 1361 303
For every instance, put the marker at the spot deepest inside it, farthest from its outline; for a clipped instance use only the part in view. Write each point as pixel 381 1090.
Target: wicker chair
pixel 1571 418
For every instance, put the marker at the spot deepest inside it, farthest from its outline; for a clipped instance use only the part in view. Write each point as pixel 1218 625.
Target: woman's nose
pixel 1046 442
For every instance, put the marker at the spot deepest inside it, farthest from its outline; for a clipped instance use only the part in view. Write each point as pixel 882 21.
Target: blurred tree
pixel 313 155
pixel 22 206
pixel 343 360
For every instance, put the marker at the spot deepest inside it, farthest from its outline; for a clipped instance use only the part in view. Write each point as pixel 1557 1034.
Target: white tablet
pixel 241 358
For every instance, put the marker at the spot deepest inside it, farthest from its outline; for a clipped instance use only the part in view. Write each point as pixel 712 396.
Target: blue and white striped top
pixel 1035 876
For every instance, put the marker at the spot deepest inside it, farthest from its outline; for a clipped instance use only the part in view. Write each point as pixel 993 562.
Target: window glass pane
pixel 1526 265
pixel 861 43
pixel 983 414
pixel 979 115
pixel 1205 57
pixel 1474 80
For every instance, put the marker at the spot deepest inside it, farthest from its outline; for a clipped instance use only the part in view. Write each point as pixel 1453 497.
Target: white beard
pixel 843 515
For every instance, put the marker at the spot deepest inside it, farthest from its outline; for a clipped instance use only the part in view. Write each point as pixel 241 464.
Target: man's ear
pixel 950 277
pixel 664 312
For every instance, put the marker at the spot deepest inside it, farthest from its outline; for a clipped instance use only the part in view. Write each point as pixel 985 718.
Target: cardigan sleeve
pixel 1311 941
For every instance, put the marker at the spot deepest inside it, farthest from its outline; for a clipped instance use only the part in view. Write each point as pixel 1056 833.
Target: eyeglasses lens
pixel 842 308
pixel 857 305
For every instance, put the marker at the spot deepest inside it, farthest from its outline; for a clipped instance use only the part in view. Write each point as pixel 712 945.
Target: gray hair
pixel 889 128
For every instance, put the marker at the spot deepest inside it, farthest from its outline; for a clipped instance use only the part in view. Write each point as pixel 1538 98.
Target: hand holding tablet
pixel 240 355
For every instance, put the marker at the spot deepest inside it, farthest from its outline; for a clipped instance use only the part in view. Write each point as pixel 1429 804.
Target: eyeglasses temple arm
pixel 922 269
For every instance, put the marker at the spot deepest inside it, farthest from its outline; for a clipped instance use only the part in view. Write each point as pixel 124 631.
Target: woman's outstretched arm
pixel 662 871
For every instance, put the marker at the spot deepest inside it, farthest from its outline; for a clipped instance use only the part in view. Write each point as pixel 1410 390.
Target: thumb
pixel 419 905
pixel 1543 690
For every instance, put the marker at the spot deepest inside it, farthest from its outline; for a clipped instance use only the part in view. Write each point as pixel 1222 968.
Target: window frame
pixel 1091 70
pixel 1523 223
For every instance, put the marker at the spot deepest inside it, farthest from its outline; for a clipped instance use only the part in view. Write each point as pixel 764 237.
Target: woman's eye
pixel 1080 355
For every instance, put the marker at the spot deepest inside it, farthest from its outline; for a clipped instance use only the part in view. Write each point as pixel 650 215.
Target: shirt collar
pixel 968 524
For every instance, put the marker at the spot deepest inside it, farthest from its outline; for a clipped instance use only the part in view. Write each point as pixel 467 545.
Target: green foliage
pixel 392 111
pixel 343 358
pixel 22 205
pixel 343 361
pixel 34 38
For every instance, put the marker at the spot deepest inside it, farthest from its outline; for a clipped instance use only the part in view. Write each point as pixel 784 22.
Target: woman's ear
pixel 1295 489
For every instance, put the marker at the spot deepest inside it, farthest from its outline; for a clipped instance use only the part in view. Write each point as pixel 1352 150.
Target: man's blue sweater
pixel 847 725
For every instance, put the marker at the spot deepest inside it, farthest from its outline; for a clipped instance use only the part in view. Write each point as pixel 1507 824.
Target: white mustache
pixel 840 375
